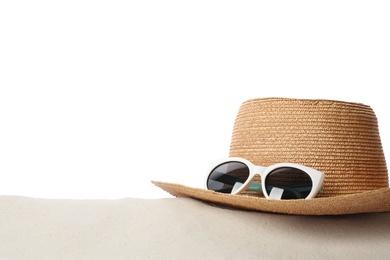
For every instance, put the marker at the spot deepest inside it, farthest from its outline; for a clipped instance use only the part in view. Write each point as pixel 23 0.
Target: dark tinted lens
pixel 291 182
pixel 226 175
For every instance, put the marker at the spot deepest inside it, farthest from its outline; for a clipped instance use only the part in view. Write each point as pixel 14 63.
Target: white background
pixel 97 98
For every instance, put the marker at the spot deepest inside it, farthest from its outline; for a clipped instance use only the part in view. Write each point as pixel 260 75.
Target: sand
pixel 180 228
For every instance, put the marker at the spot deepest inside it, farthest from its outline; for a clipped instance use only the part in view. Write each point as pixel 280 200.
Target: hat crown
pixel 338 138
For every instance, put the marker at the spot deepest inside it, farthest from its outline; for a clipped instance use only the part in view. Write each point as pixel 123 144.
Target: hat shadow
pixel 342 226
pixel 350 227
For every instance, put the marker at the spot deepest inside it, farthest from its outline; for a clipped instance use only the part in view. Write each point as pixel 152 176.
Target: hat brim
pixel 365 202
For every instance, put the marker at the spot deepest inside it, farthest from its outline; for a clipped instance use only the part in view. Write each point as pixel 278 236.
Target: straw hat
pixel 338 138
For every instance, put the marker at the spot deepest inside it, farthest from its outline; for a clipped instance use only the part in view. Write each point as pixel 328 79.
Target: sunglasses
pixel 279 181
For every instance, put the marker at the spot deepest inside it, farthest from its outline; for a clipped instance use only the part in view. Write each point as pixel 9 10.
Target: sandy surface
pixel 180 229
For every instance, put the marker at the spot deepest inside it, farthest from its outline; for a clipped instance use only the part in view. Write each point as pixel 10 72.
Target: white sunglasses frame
pixel 316 176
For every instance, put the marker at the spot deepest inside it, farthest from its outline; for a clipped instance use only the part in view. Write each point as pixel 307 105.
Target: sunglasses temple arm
pixel 254 186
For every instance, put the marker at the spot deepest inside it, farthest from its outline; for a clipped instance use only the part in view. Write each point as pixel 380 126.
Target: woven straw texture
pixel 338 138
